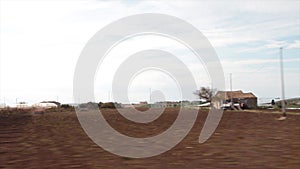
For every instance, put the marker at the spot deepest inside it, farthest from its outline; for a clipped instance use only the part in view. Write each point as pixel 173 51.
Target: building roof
pixel 234 94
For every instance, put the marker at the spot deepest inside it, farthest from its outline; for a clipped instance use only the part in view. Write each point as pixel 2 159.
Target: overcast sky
pixel 40 42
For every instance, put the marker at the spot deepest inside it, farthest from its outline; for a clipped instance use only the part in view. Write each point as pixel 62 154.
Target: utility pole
pixel 108 96
pixel 231 88
pixel 230 81
pixel 282 85
pixel 150 96
pixel 16 103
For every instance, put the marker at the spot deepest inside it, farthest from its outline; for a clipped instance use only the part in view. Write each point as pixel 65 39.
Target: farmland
pixel 242 140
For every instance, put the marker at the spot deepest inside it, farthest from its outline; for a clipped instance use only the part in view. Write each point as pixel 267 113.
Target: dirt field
pixel 242 140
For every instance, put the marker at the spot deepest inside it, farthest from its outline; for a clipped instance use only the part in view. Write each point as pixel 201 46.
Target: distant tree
pixel 65 106
pixel 205 93
pixel 273 102
pixel 110 105
pixel 100 104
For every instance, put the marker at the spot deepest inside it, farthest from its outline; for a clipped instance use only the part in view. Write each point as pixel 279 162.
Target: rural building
pixel 246 100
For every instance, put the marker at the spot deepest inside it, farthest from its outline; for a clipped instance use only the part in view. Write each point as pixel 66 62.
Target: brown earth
pixel 242 140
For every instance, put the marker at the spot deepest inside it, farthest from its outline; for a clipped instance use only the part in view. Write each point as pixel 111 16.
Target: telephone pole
pixel 231 88
pixel 282 85
pixel 108 96
pixel 150 96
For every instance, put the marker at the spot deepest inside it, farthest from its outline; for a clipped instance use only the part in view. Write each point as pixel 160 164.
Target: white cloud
pixel 276 44
pixel 259 61
pixel 294 45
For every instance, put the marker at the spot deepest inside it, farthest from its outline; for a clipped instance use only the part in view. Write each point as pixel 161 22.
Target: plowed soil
pixel 243 139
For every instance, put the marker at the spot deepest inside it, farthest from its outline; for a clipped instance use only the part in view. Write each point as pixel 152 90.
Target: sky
pixel 40 42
